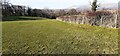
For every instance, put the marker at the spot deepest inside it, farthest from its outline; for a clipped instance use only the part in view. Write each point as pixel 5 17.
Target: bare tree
pixel 29 11
pixel 72 12
pixel 5 1
pixel 94 5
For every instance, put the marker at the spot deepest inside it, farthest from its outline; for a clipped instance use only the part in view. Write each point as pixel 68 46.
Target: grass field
pixel 18 18
pixel 54 37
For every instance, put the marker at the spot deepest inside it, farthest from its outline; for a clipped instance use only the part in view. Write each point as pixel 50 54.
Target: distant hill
pixel 111 6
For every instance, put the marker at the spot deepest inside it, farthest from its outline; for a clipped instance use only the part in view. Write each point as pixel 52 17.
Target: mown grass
pixel 55 37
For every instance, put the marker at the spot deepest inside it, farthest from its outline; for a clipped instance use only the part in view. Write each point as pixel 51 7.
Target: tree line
pixel 17 10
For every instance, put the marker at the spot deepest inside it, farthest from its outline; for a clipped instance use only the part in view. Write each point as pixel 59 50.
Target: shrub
pixel 98 13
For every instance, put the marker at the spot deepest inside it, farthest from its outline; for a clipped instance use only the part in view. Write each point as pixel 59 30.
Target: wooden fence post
pixel 101 21
pixel 116 20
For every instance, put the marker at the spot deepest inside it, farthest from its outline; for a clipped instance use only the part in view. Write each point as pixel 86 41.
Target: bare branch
pixel 90 3
pixel 99 5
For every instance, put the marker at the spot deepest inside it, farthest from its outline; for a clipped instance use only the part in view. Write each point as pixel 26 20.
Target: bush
pixel 98 13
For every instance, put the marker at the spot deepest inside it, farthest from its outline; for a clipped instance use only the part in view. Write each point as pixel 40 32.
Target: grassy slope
pixel 51 36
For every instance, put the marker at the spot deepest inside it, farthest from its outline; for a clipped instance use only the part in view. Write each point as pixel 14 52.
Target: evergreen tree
pixel 94 5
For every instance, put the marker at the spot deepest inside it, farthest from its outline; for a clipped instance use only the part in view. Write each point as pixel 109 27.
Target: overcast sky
pixel 56 4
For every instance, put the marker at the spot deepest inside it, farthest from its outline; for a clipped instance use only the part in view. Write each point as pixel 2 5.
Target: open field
pixel 55 37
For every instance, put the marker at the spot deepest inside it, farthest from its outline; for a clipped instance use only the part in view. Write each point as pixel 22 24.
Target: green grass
pixel 55 37
pixel 17 18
